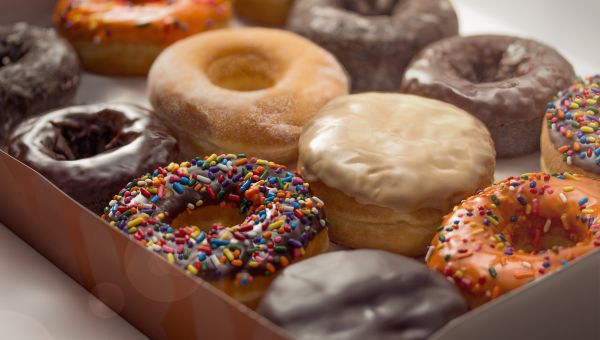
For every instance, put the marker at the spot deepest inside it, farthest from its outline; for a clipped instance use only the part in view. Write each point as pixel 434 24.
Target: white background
pixel 38 301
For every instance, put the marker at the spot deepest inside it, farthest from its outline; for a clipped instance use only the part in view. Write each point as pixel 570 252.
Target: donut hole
pixel 242 71
pixel 207 216
pixel 11 50
pixel 83 136
pixel 536 234
pixel 372 7
pixel 492 65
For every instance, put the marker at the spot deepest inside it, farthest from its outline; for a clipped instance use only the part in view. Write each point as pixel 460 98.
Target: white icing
pixel 399 151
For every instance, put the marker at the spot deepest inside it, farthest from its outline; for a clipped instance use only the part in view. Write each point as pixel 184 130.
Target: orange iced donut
pixel 516 231
pixel 118 37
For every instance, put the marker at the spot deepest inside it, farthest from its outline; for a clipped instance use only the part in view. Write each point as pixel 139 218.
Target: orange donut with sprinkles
pixel 516 231
pixel 118 37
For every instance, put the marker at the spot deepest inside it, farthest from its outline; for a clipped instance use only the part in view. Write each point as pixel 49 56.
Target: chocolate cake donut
pixel 38 71
pixel 374 39
pixel 361 294
pixel 504 81
pixel 91 151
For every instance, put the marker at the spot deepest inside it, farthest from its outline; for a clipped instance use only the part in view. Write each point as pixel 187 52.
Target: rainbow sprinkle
pixel 282 215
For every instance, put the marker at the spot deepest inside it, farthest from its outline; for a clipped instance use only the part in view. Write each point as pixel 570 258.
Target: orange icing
pixel 516 231
pixel 152 21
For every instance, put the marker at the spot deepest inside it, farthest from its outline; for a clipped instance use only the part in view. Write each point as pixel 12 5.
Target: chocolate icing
pixel 361 294
pixel 91 151
pixel 38 71
pixel 504 81
pixel 374 39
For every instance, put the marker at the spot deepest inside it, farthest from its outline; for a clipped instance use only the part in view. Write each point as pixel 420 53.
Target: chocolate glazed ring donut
pixel 91 151
pixel 374 39
pixel 504 81
pixel 38 71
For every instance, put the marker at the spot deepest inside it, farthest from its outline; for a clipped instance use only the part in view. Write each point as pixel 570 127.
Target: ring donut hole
pixel 537 233
pixel 81 136
pixel 11 50
pixel 243 70
pixel 485 65
pixel 207 216
pixel 372 7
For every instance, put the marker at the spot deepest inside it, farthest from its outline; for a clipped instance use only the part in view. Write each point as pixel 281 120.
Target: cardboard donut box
pixel 164 302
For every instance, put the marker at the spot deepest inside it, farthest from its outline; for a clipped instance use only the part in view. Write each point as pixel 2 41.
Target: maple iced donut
pixel 266 12
pixel 504 81
pixel 263 217
pixel 570 140
pixel 123 38
pixel 390 166
pixel 516 231
pixel 244 90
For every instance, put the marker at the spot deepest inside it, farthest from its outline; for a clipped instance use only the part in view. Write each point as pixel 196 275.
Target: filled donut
pixel 244 90
pixel 266 12
pixel 122 38
pixel 89 152
pixel 279 222
pixel 373 39
pixel 390 166
pixel 516 231
pixel 38 71
pixel 361 294
pixel 570 140
pixel 504 81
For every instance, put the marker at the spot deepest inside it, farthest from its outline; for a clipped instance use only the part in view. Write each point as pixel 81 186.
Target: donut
pixel 122 38
pixel 374 39
pixel 504 81
pixel 361 294
pixel 279 220
pixel 391 166
pixel 38 71
pixel 245 90
pixel 266 12
pixel 91 151
pixel 516 231
pixel 569 141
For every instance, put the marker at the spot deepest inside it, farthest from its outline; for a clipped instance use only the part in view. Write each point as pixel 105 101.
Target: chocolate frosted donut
pixel 361 294
pixel 91 151
pixel 38 71
pixel 374 39
pixel 504 81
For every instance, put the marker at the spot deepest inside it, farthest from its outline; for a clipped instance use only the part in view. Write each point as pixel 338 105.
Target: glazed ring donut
pixel 570 139
pixel 244 90
pixel 504 81
pixel 516 231
pixel 266 12
pixel 118 37
pixel 38 71
pixel 282 221
pixel 374 39
pixel 91 151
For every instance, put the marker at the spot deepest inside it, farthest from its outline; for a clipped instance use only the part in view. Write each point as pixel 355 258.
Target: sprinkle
pixel 583 201
pixel 492 272
pixel 547 225
pixel 563 198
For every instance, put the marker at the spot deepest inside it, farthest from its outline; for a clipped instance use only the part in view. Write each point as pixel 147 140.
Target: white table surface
pixel 38 301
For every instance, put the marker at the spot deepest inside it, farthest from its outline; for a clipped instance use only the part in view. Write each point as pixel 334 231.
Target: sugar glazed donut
pixel 266 12
pixel 374 39
pixel 390 166
pixel 119 37
pixel 570 140
pixel 516 231
pixel 283 221
pixel 504 81
pixel 38 71
pixel 244 90
pixel 91 151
